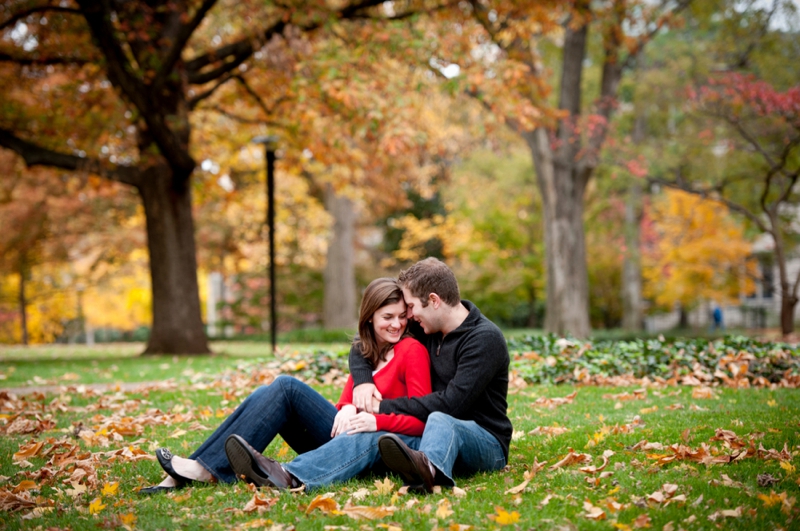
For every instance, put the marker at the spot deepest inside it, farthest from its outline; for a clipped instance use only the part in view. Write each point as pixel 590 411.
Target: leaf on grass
pixel 261 504
pixel 638 394
pixel 703 392
pixel 642 521
pixel 553 403
pixel 503 517
pixel 572 458
pixel 325 503
pixel 110 489
pixel 360 494
pixel 783 499
pixel 593 512
pixel 787 466
pixel 459 492
pixel 535 468
pixel 176 434
pixel 96 506
pixel 27 451
pixel 548 430
pixel 359 512
pixel 726 482
pixel 459 527
pixel 519 488
pixel 76 490
pixel 24 486
pixel 765 480
pixel 384 487
pixel 127 519
pixel 726 513
pixel 443 510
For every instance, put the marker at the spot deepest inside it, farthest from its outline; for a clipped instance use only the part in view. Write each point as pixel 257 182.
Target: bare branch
pixel 195 101
pixel 184 34
pixel 37 9
pixel 35 155
pixel 242 119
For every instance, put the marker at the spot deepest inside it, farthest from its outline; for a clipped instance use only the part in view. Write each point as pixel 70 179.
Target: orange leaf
pixel 324 503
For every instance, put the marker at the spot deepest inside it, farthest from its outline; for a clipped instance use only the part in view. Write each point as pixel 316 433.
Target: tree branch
pixel 121 74
pixel 43 61
pixel 709 194
pixel 37 9
pixel 35 155
pixel 234 54
pixel 184 34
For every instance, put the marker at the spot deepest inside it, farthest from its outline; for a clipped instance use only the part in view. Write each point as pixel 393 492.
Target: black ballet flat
pixel 156 489
pixel 164 457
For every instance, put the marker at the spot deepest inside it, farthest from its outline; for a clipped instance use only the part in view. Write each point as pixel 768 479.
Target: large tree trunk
pixel 788 302
pixel 562 175
pixel 339 277
pixel 632 267
pixel 177 324
pixel 23 303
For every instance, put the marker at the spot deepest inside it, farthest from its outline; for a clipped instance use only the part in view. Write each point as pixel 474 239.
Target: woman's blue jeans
pixel 304 418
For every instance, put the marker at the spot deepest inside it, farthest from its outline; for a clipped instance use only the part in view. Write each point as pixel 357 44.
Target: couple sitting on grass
pixel 427 401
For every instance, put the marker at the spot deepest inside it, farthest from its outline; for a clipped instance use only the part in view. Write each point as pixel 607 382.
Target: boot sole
pixel 397 459
pixel 243 464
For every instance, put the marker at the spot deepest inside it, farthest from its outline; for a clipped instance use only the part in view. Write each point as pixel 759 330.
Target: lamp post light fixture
pixel 270 143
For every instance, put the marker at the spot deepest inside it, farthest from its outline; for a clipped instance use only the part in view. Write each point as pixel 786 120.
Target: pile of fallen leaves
pixel 732 362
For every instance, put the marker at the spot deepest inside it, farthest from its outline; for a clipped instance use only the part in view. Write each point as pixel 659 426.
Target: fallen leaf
pixel 519 488
pixel 360 494
pixel 384 487
pixel 503 517
pixel 323 502
pixel 368 513
pixel 642 521
pixel 96 506
pixel 443 510
pixel 110 489
pixel 572 458
pixel 593 512
pixel 726 513
pixel 259 504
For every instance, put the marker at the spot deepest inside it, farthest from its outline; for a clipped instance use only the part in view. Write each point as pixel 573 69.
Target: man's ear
pixel 434 299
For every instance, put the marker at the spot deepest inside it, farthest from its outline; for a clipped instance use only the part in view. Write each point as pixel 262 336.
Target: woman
pixel 333 443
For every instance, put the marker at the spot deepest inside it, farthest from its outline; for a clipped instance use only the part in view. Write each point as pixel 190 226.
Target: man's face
pixel 424 315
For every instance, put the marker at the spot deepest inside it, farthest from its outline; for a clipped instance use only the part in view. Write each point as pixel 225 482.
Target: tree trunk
pixel 632 267
pixel 567 310
pixel 788 302
pixel 177 323
pixel 339 277
pixel 23 303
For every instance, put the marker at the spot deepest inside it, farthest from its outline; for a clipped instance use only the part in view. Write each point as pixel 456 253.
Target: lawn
pixel 583 457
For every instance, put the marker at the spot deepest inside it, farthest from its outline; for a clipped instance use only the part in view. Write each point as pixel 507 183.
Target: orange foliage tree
pixel 110 88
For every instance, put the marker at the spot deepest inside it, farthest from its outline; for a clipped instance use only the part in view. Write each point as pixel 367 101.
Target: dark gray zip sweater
pixel 469 376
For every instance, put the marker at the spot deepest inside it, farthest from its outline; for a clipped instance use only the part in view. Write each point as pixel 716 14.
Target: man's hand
pixel 366 397
pixel 362 422
pixel 341 423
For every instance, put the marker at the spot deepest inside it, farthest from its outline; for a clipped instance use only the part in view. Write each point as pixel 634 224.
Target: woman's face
pixel 389 323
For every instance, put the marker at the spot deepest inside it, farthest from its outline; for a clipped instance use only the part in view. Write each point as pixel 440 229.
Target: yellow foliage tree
pixel 696 252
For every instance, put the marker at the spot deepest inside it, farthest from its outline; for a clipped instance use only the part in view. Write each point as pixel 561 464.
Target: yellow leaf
pixel 110 489
pixel 443 511
pixel 96 506
pixel 127 519
pixel 772 403
pixel 788 467
pixel 504 517
pixel 384 487
pixel 324 503
pixel 622 527
pixel 284 451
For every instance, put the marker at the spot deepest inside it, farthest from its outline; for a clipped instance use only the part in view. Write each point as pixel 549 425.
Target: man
pixel 467 427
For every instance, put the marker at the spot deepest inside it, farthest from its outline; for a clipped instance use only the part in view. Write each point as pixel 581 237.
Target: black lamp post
pixel 269 142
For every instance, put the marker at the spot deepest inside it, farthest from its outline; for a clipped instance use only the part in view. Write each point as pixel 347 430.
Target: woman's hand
pixel 341 423
pixel 362 422
pixel 366 397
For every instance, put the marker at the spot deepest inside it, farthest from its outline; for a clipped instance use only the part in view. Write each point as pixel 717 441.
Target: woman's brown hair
pixel 380 292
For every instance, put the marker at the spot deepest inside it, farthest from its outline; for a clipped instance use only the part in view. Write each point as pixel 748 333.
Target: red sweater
pixel 406 375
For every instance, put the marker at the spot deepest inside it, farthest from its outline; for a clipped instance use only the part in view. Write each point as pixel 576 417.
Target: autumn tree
pixel 132 74
pixel 699 254
pixel 756 141
pixel 509 54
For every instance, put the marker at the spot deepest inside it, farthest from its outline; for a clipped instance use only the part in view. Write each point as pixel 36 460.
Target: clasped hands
pixel 358 417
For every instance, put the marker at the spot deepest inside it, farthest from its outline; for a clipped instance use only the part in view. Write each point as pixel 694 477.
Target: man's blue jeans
pixel 304 419
pixel 458 447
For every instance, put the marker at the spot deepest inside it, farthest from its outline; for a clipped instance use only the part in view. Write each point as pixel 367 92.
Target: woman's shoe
pixel 164 457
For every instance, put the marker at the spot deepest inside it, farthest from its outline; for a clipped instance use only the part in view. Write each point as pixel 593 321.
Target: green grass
pixel 773 415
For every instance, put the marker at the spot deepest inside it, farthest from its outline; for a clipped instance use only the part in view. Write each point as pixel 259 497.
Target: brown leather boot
pixel 413 466
pixel 250 465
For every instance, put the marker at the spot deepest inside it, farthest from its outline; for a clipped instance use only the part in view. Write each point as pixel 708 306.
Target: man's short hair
pixel 431 276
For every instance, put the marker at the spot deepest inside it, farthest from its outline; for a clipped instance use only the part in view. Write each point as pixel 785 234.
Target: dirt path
pixel 97 387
